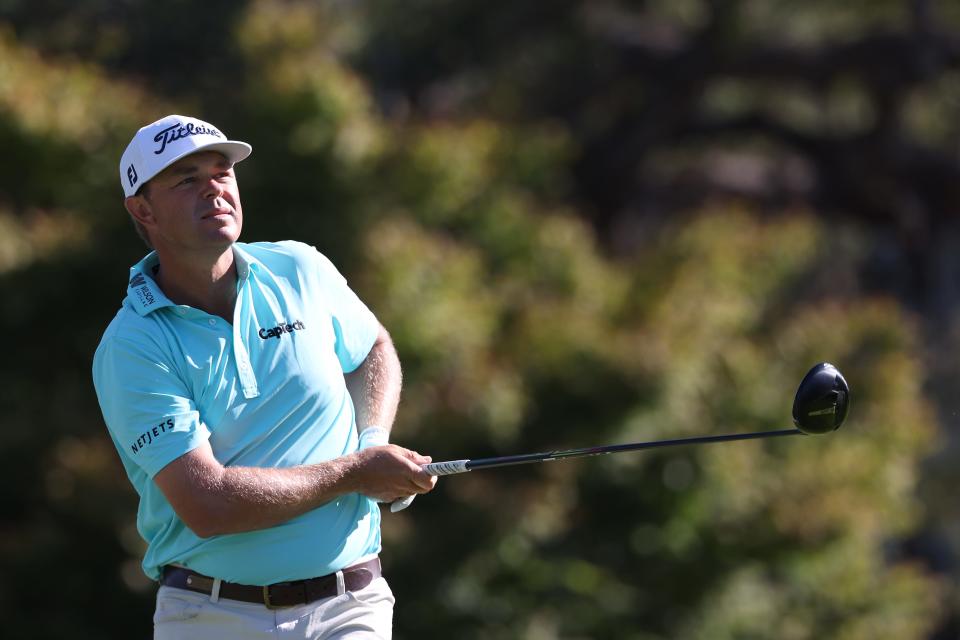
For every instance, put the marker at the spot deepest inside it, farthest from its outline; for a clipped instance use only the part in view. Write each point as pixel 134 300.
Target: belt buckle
pixel 266 599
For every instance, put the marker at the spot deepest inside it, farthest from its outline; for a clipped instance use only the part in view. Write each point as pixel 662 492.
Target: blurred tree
pixel 178 47
pixel 472 191
pixel 850 108
pixel 539 344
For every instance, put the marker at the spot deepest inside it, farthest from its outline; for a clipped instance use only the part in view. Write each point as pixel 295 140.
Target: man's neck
pixel 206 282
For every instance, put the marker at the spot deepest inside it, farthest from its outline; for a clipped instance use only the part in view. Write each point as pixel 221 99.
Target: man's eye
pixel 186 180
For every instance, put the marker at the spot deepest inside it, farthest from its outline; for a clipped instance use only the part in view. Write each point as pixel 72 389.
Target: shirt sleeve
pixel 145 404
pixel 355 326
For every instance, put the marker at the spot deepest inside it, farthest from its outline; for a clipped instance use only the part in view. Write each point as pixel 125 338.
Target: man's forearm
pixel 218 500
pixel 214 500
pixel 376 383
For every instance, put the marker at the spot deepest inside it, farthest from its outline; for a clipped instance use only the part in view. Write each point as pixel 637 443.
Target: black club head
pixel 822 400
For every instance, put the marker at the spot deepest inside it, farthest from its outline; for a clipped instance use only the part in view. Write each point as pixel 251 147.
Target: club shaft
pixel 461 466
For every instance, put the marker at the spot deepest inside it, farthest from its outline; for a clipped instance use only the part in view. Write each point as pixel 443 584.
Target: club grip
pixel 446 468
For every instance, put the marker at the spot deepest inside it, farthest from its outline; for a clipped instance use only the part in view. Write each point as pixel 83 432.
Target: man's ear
pixel 140 210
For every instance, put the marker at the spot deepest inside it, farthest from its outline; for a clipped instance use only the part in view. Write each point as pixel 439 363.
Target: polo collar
pixel 146 297
pixel 142 290
pixel 244 262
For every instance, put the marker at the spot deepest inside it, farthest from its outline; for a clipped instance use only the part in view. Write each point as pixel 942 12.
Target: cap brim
pixel 234 150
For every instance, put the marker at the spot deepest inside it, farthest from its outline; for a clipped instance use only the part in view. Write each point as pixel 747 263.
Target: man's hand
pixel 390 472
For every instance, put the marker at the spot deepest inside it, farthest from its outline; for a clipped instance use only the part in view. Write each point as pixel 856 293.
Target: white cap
pixel 158 145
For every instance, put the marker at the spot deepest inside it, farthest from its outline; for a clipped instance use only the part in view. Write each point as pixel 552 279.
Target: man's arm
pixel 375 385
pixel 213 500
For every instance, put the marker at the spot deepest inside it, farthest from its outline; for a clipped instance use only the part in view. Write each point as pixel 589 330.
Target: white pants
pixel 186 615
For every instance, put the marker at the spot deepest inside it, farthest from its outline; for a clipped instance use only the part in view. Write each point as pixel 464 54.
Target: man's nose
pixel 212 189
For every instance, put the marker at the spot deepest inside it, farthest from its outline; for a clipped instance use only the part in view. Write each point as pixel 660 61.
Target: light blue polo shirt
pixel 267 390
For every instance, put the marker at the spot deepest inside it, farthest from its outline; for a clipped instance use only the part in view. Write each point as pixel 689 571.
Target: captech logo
pixel 176 131
pixel 281 329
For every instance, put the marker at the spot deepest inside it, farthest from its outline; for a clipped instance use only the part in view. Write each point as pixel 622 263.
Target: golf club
pixel 820 406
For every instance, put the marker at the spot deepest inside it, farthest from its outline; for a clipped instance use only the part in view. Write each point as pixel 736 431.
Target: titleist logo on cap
pixel 177 131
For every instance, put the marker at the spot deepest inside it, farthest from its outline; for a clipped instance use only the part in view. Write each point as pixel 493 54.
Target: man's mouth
pixel 213 213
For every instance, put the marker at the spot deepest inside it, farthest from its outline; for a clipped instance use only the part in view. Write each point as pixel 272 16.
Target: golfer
pixel 250 395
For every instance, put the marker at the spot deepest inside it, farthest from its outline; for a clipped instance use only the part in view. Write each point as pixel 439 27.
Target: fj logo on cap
pixel 177 131
pixel 132 175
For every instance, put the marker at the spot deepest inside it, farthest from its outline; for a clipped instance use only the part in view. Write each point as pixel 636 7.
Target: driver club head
pixel 822 400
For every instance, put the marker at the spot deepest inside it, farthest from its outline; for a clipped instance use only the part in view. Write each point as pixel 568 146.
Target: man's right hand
pixel 390 472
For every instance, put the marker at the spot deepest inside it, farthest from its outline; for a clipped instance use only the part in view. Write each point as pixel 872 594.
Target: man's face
pixel 194 204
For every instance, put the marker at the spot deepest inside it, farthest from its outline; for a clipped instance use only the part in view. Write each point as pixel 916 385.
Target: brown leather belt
pixel 281 594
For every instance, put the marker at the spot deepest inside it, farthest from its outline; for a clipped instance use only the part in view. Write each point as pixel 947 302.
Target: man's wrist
pixel 373 436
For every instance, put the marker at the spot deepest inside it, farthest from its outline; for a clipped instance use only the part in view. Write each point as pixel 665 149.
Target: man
pixel 233 381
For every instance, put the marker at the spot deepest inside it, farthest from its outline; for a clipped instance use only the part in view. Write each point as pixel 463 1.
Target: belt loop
pixel 215 591
pixel 341 585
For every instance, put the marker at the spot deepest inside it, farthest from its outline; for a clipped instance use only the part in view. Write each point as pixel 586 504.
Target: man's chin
pixel 222 238
pixel 227 231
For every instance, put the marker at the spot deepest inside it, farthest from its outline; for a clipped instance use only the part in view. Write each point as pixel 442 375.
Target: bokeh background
pixel 584 222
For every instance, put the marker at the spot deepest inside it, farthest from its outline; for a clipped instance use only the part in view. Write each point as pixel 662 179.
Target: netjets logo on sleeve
pixel 147 437
pixel 280 329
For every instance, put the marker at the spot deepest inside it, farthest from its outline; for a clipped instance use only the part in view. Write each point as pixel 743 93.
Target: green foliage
pixel 753 540
pixel 519 328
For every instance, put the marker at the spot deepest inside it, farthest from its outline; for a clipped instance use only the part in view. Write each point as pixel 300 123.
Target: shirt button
pixel 212 322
